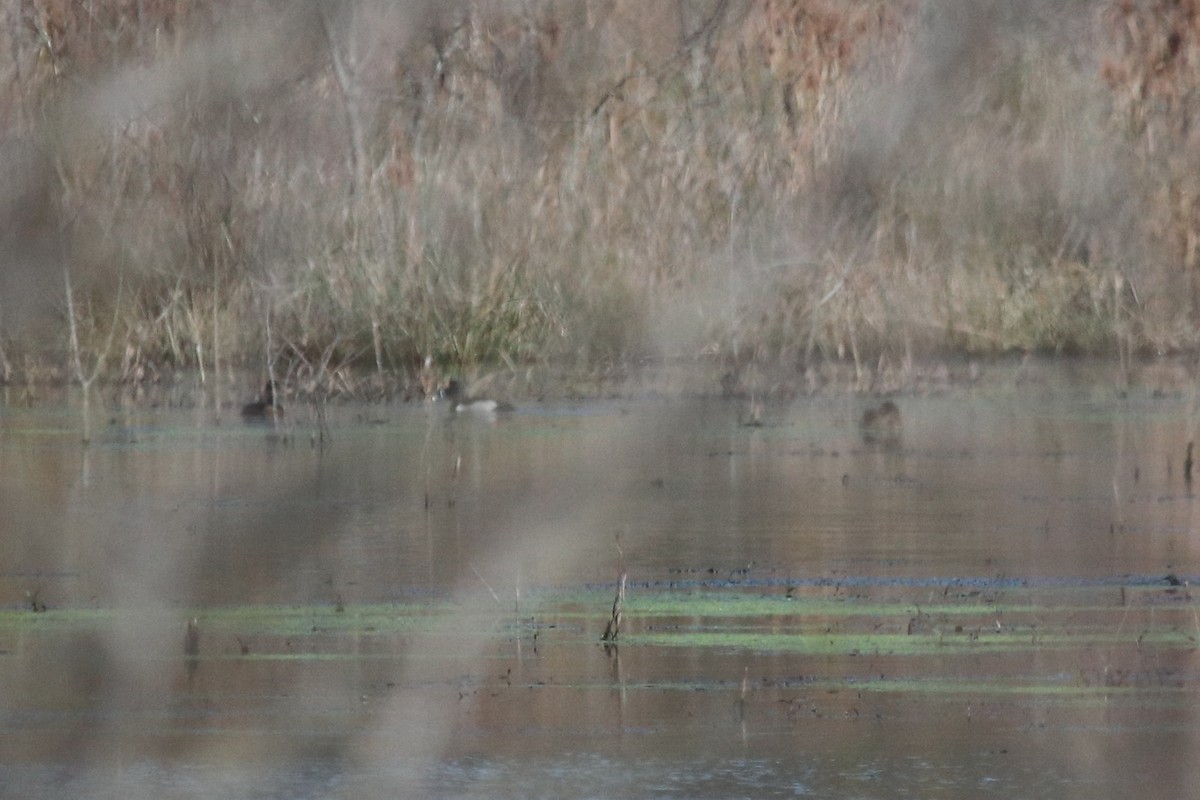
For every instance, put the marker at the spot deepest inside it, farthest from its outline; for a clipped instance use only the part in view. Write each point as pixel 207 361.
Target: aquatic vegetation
pixel 1068 622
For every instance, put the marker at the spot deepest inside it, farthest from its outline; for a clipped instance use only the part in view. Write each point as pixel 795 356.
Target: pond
pixel 993 599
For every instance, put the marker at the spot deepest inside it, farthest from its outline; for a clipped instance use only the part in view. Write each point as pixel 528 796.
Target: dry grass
pixel 763 183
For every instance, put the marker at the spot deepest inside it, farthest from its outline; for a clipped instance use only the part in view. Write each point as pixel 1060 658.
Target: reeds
pixel 779 182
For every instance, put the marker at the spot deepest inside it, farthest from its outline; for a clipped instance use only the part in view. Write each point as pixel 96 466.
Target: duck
pixel 265 406
pixel 459 400
pixel 882 422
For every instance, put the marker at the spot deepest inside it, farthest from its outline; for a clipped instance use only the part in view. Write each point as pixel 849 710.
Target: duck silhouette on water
pixel 265 407
pixel 460 401
pixel 881 424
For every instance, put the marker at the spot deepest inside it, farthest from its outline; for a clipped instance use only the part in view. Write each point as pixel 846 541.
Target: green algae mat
pixel 1040 638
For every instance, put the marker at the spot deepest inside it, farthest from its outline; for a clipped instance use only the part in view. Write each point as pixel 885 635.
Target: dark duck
pixel 265 407
pixel 881 424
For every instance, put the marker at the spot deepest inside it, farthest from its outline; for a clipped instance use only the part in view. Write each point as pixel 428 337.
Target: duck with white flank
pixel 460 401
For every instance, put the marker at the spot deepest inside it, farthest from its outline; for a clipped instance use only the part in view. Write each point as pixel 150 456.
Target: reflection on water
pixel 589 775
pixel 1070 499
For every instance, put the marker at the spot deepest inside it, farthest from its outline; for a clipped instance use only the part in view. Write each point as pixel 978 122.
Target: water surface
pixel 995 602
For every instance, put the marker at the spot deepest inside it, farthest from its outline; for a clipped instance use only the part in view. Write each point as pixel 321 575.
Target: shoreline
pixel 1161 377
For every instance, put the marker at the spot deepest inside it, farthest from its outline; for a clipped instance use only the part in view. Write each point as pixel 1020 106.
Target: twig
pixel 486 585
pixel 86 381
pixel 613 629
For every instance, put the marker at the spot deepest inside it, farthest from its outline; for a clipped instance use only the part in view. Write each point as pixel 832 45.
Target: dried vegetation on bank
pixel 769 184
